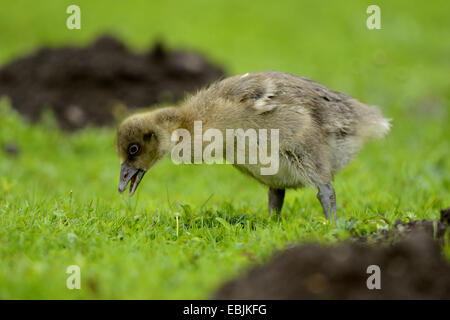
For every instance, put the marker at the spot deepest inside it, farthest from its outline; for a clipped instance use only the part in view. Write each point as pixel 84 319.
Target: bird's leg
pixel 276 198
pixel 327 198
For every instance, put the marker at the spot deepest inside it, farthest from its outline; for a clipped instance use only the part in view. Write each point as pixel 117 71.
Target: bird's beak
pixel 129 173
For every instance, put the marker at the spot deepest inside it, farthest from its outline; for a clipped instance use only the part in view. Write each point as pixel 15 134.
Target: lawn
pixel 189 228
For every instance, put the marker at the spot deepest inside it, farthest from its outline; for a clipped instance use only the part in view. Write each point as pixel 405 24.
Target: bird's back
pixel 255 96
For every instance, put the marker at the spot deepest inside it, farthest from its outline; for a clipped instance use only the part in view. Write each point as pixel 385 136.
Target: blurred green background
pixel 190 228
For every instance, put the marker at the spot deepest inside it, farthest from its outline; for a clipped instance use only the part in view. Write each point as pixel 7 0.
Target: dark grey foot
pixel 327 198
pixel 276 198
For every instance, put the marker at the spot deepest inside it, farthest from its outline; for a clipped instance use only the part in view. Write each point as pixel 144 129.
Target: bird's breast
pixel 285 176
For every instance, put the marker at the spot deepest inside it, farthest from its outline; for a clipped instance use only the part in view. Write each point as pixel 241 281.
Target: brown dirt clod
pixel 413 268
pixel 434 228
pixel 82 85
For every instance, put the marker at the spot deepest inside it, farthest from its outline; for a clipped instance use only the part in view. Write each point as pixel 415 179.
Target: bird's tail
pixel 372 124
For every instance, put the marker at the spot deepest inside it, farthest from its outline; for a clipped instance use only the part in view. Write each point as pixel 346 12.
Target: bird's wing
pixel 254 91
pixel 266 91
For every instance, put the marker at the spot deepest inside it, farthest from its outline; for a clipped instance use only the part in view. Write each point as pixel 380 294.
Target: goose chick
pixel 320 131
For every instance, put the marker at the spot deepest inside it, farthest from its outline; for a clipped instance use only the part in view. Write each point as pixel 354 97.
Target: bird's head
pixel 142 140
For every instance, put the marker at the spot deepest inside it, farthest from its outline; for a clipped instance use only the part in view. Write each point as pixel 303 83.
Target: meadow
pixel 189 228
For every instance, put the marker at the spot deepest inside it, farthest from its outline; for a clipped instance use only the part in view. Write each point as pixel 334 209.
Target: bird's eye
pixel 133 149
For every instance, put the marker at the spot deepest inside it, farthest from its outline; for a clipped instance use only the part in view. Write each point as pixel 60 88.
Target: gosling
pixel 320 131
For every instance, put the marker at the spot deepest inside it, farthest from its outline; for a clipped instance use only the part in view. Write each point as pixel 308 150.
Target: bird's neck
pixel 211 113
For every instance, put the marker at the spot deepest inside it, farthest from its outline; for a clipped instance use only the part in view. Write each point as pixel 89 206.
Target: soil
pixel 11 148
pixel 83 85
pixel 411 268
pixel 434 228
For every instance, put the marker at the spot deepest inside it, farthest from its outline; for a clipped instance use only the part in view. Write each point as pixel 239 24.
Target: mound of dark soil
pixel 411 269
pixel 434 228
pixel 82 85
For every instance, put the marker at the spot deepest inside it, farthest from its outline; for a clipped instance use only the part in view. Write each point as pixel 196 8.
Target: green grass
pixel 189 228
